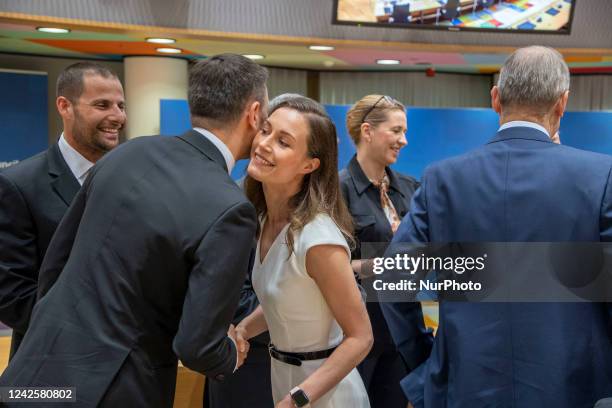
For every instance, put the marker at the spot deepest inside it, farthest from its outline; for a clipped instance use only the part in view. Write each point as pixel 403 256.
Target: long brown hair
pixel 320 190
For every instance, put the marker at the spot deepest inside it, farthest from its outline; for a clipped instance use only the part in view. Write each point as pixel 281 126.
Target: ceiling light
pixel 169 50
pixel 387 61
pixel 254 56
pixel 53 30
pixel 157 40
pixel 321 47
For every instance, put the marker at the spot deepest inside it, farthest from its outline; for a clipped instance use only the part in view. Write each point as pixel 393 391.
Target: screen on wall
pixel 552 16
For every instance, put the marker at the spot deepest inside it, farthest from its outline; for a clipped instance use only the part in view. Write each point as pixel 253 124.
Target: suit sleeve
pixel 60 246
pixel 215 281
pixel 344 190
pixel 605 231
pixel 405 319
pixel 18 258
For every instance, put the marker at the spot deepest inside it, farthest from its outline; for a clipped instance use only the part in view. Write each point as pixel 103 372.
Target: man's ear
pixel 311 165
pixel 64 106
pixel 561 104
pixel 253 114
pixel 495 100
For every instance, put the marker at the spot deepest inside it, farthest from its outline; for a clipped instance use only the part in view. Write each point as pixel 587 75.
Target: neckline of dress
pixel 258 252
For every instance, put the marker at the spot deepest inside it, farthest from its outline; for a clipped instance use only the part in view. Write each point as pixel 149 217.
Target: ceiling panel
pixel 92 39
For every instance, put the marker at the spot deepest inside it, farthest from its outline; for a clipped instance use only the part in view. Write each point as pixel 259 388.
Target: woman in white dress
pixel 309 301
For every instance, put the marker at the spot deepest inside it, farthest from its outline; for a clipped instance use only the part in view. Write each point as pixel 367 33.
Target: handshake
pixel 238 334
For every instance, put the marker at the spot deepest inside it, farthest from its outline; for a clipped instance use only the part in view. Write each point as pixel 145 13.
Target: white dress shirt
pixel 225 151
pixel 523 123
pixel 79 165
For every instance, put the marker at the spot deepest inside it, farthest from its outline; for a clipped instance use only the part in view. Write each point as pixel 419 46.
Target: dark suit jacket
pixel 147 265
pixel 371 225
pixel 34 194
pixel 520 187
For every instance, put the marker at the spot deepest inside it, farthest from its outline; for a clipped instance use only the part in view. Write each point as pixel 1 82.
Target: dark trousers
pixel 16 340
pixel 249 387
pixel 383 368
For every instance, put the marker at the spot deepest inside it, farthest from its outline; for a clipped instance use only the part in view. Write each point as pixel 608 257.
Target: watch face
pixel 300 398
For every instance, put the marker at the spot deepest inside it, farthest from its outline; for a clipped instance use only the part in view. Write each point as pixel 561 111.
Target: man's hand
pixel 238 335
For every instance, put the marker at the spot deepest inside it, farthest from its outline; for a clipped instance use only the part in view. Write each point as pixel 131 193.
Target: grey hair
pixel 281 99
pixel 535 77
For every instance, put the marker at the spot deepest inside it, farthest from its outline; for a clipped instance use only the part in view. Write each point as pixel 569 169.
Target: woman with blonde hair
pixel 309 300
pixel 378 198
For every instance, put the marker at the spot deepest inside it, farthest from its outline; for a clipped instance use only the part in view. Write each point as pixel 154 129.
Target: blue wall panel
pixel 23 115
pixel 588 131
pixel 435 134
pixel 173 117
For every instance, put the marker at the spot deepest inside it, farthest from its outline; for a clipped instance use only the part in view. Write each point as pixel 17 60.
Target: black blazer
pixel 371 225
pixel 147 265
pixel 34 194
pixel 363 201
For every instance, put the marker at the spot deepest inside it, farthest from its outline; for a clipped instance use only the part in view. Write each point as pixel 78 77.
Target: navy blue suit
pixel 520 187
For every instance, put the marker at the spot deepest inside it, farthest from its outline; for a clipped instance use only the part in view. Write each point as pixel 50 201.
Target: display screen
pixel 551 16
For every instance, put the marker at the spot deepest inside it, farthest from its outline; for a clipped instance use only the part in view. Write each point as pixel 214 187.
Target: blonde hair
pixel 370 109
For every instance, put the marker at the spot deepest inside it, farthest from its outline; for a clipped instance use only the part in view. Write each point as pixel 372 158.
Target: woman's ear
pixel 311 165
pixel 366 132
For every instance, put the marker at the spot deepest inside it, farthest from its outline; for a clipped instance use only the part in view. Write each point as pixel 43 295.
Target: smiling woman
pixel 378 198
pixel 302 276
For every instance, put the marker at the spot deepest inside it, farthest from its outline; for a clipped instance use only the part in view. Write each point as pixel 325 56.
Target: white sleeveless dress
pixel 297 315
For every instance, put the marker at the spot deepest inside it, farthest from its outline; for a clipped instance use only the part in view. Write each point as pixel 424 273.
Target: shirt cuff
pixel 236 348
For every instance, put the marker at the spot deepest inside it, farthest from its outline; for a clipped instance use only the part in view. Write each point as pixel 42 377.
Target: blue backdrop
pixel 23 114
pixel 433 134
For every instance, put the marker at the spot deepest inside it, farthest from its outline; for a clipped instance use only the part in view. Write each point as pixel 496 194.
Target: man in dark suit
pixel 36 193
pixel 520 187
pixel 148 263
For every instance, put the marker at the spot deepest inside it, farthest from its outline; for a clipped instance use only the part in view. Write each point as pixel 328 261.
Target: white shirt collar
pixel 523 123
pixel 79 165
pixel 225 151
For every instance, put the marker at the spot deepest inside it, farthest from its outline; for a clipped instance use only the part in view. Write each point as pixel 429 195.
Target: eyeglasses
pixel 386 98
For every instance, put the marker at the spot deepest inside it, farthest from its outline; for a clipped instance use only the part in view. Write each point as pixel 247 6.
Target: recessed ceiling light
pixel 169 50
pixel 321 47
pixel 53 30
pixel 328 63
pixel 158 40
pixel 387 61
pixel 254 56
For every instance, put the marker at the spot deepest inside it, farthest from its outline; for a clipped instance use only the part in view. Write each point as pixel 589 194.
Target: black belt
pixel 297 358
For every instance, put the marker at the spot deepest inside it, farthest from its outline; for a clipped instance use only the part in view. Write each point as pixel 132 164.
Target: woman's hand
pixel 241 339
pixel 241 344
pixel 362 268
